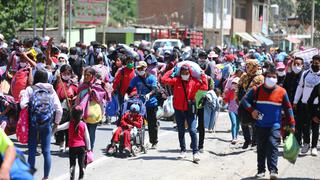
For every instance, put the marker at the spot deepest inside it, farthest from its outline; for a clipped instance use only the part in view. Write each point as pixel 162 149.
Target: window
pixel 241 11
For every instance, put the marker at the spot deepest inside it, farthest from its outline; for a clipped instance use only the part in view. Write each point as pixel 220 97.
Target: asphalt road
pixel 221 160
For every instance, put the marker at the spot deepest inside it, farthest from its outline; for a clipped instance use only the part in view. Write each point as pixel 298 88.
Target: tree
pixel 17 14
pixel 123 11
pixel 304 12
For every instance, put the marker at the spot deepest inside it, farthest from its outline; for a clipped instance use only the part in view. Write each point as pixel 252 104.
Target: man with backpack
pixel 265 103
pixel 44 109
pixel 309 79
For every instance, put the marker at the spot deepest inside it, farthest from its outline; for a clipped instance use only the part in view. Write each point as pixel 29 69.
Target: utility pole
pixel 61 19
pixel 221 22
pixel 312 23
pixel 70 23
pixel 34 18
pixel 45 18
pixel 105 25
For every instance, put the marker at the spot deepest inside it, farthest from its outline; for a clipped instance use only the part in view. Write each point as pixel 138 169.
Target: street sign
pixel 89 12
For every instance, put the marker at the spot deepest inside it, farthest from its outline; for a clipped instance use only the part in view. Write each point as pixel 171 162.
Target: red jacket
pixel 192 86
pixel 129 74
pixel 133 120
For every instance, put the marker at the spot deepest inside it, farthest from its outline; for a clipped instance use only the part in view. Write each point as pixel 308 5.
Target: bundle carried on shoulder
pixel 19 83
pixel 195 69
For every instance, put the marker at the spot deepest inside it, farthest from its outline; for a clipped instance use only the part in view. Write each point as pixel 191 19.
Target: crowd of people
pixel 67 92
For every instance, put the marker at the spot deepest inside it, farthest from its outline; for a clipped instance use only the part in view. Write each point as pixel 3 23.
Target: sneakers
pixel 260 175
pixel 305 148
pixel 111 150
pixel 234 141
pixel 196 157
pixel 273 175
pixel 314 152
pixel 127 151
pixel 182 155
pixel 201 150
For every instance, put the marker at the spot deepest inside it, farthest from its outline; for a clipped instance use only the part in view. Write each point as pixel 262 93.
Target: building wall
pixel 185 12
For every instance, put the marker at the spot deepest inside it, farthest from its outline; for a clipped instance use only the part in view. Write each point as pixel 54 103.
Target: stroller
pixel 137 135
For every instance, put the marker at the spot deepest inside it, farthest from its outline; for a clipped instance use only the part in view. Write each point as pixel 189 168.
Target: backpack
pixel 19 83
pixel 41 107
pixel 22 131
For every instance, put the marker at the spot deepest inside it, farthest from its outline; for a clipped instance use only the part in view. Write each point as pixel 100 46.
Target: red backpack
pixel 19 82
pixel 22 130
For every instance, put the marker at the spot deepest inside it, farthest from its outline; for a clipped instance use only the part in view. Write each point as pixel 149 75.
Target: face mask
pixel 141 73
pixel 22 64
pixel 259 72
pixel 21 49
pixel 315 68
pixel 66 78
pixel 281 73
pixel 234 86
pixel 271 82
pixel 149 61
pixel 296 69
pixel 74 56
pixel 185 77
pixel 130 65
pixel 40 66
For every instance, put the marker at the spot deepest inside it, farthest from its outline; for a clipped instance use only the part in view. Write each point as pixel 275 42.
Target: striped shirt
pixel 269 102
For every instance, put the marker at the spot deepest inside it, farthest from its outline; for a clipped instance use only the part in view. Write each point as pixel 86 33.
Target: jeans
pixel 201 129
pixel 234 124
pixel 92 133
pixel 267 148
pixel 45 140
pixel 152 124
pixel 248 136
pixel 209 117
pixel 74 154
pixel 181 117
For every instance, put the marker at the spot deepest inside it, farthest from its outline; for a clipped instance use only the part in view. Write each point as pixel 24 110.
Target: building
pixel 194 14
pixel 250 22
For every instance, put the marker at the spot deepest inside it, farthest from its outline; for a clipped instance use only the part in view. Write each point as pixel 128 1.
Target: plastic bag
pixel 291 148
pixel 159 113
pixel 89 157
pixel 168 109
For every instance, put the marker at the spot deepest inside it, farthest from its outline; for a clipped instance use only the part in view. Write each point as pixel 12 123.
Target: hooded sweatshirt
pixel 27 93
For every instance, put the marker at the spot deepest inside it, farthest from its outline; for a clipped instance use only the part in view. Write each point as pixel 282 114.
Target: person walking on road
pixel 271 99
pixel 185 88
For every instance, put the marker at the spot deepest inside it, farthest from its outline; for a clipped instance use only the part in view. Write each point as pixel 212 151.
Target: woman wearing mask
pixel 91 96
pixel 67 88
pixel 185 88
pixel 281 73
pixel 231 99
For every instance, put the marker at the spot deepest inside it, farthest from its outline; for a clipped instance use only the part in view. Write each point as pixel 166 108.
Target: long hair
pixel 76 115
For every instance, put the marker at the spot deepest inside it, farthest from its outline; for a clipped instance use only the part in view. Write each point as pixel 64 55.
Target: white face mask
pixel 297 69
pixel 271 82
pixel 66 78
pixel 259 72
pixel 22 64
pixel 185 77
pixel 141 73
pixel 281 73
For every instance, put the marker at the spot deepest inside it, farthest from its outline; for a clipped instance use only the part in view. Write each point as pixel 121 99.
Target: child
pixel 79 141
pixel 129 122
pixel 231 99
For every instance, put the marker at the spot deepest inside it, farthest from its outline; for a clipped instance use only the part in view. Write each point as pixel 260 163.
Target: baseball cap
pixel 135 108
pixel 141 64
pixel 280 65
